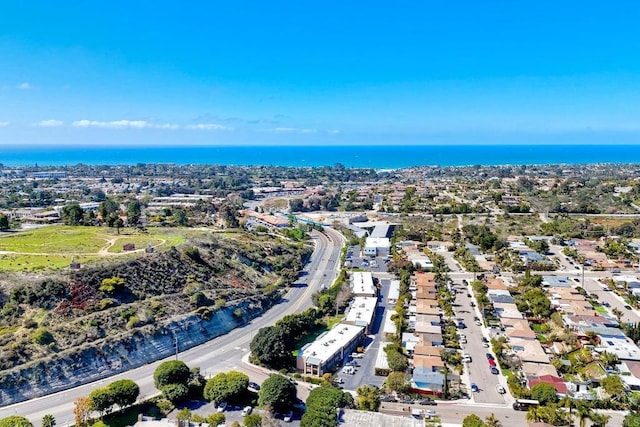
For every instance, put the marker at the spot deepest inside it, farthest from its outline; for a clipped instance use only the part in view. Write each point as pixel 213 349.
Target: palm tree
pixel 492 421
pixel 533 414
pixel 599 420
pixel 583 412
pixel 618 313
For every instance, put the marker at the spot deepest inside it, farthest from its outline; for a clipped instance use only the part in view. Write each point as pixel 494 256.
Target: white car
pixel 221 407
pixel 500 389
pixel 288 417
pixel 430 413
pixel 247 410
pixel 479 323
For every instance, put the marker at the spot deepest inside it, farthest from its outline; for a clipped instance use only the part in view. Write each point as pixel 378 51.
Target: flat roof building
pixel 362 312
pixel 329 349
pixel 362 284
pixel 377 246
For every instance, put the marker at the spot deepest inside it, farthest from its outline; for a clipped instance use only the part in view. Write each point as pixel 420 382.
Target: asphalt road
pixel 477 371
pixel 218 355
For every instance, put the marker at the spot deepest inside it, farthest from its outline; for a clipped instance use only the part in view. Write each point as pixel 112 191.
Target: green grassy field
pixel 53 247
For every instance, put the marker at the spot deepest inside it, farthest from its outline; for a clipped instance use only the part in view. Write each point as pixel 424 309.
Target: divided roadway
pixel 218 355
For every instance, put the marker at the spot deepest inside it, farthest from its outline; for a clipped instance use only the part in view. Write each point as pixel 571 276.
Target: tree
pixel 15 421
pixel 48 421
pixel 397 381
pixel 226 386
pixel 180 217
pixel 631 420
pixel 473 421
pixel 125 392
pixel 216 419
pixel 544 393
pixel 613 386
pixel 171 372
pixel 321 407
pixel 277 392
pixel 111 285
pixel 4 222
pixel 72 214
pixel 42 336
pixel 368 398
pixel 81 411
pixel 271 347
pixel 492 421
pixel 134 212
pixel 252 420
pixel 618 314
pixel 600 420
pixel 101 399
pixel 175 393
pixel 107 208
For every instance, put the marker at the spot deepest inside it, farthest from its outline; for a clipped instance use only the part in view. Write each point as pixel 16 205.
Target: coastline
pixel 379 157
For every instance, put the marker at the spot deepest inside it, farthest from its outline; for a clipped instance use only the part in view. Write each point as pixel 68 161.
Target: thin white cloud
pixel 49 123
pixel 333 132
pixel 208 126
pixel 123 124
pixel 24 86
pixel 295 130
pixel 3 124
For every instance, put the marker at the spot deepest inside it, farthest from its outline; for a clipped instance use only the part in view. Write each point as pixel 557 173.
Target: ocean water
pixel 375 156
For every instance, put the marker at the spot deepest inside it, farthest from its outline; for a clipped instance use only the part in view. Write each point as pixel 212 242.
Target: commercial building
pixel 362 284
pixel 362 312
pixel 329 349
pixel 377 246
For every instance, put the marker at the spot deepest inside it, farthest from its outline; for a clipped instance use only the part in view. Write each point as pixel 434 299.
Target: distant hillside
pixel 117 303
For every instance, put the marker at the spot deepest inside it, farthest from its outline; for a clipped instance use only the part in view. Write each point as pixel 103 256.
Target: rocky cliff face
pixel 115 354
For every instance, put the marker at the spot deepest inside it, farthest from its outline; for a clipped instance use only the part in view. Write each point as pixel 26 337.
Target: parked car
pixel 478 322
pixel 254 386
pixel 406 400
pixel 427 401
pixel 485 344
pixel 430 413
pixel 500 389
pixel 221 407
pixel 288 417
pixel 474 388
pixel 463 340
pixel 387 398
pixel 247 410
pixel 628 307
pixel 491 362
pixel 490 356
pixel 466 357
pixel 606 304
pixel 494 370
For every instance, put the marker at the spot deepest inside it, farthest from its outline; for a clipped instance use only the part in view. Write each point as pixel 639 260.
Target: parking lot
pixel 365 366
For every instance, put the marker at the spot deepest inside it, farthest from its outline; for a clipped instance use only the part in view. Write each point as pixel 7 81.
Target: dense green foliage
pixel 544 393
pixel 226 386
pixel 321 407
pixel 15 421
pixel 277 392
pixel 171 372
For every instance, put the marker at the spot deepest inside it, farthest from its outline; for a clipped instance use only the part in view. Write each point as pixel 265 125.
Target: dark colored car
pixel 494 370
pixel 254 386
pixel 628 307
pixel 387 398
pixel 427 402
pixel 490 356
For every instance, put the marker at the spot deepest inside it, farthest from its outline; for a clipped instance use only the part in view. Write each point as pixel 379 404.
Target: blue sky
pixel 332 72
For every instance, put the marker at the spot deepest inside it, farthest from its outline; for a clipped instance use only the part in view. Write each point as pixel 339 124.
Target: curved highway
pixel 220 354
